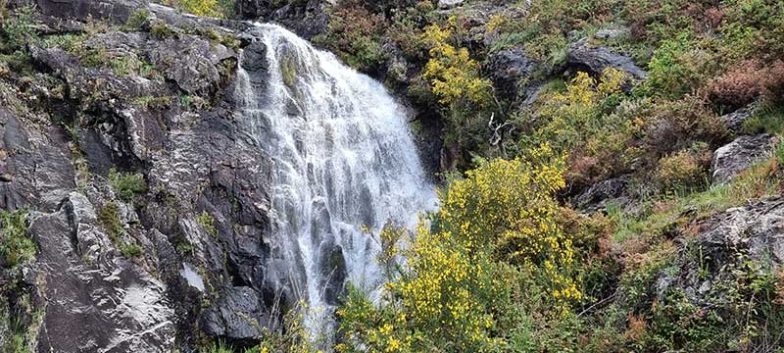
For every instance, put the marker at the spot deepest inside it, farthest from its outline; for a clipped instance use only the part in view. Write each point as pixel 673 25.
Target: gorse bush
pixel 212 8
pixel 456 292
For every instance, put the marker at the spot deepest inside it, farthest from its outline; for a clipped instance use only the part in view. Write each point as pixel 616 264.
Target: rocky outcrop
pixel 604 193
pixel 115 11
pixel 595 60
pixel 734 121
pixel 307 19
pixel 94 299
pixel 737 156
pixel 109 275
pixel 511 70
pixel 727 243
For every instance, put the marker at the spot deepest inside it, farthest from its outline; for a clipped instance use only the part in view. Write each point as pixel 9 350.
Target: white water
pixel 343 159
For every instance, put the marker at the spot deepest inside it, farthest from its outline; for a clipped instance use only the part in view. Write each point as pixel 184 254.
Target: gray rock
pixel 734 121
pixel 596 59
pixel 753 233
pixel 737 156
pixel 612 33
pixel 107 305
pixel 603 193
pixel 511 70
pixel 237 316
pixel 448 4
pixel 115 11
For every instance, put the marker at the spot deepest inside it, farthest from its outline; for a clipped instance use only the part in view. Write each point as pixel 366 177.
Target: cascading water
pixel 343 159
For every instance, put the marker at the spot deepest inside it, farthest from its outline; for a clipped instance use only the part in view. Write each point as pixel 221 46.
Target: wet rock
pixel 238 316
pixel 307 19
pixel 737 156
pixel 596 59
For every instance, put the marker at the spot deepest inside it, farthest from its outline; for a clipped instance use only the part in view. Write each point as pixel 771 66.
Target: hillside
pixel 177 177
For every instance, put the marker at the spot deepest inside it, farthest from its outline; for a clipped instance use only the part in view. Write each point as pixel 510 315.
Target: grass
pixel 770 120
pixel 16 247
pixel 208 223
pixel 127 185
pixel 658 215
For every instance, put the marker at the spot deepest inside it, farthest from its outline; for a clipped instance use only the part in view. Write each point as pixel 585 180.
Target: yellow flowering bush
pixel 496 228
pixel 452 73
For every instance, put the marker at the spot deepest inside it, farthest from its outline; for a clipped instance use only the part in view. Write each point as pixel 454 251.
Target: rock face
pixel 307 19
pixel 511 70
pixel 737 156
pixel 108 275
pixel 595 59
pixel 116 11
pixel 603 193
pixel 95 300
pixel 754 232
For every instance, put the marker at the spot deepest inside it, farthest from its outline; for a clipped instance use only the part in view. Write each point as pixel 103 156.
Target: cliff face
pixel 146 201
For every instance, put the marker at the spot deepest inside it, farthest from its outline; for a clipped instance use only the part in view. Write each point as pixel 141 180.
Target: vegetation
pixel 127 185
pixel 16 247
pixel 506 264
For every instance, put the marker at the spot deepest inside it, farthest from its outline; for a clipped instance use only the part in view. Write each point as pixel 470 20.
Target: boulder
pixel 511 70
pixel 448 4
pixel 595 60
pixel 734 121
pixel 603 193
pixel 737 156
pixel 238 316
pixel 750 236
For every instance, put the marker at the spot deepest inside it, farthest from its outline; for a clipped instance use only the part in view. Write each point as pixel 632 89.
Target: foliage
pixel 109 218
pixel 453 75
pixel 18 30
pixel 212 8
pixel 355 34
pixel 16 247
pixel 684 169
pixel 496 231
pixel 127 185
pixel 676 67
pixel 207 222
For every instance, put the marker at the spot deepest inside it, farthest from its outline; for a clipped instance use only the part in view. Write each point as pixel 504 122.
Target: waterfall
pixel 344 162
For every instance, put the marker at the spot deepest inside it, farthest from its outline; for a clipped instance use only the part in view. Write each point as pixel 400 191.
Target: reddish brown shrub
pixel 738 87
pixel 773 83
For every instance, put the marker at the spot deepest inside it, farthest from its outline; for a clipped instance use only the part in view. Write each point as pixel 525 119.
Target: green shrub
pixel 207 222
pixel 160 30
pixel 685 169
pixel 137 20
pixel 109 218
pixel 127 185
pixel 18 30
pixel 676 67
pixel 16 247
pixel 354 33
pixel 130 250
